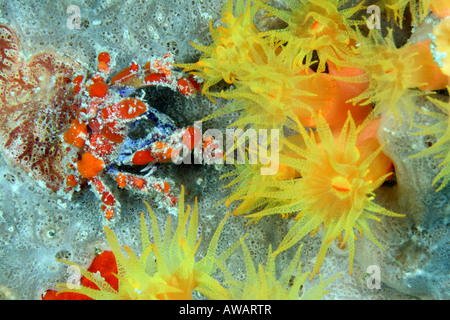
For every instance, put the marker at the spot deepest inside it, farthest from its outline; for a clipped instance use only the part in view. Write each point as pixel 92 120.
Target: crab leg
pixel 110 206
pixel 143 184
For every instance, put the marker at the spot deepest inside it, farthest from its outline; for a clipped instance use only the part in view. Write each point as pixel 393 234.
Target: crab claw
pixel 167 150
pixel 161 132
pixel 157 152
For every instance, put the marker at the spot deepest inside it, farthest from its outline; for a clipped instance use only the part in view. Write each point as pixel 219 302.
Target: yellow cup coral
pixel 396 9
pixel 338 177
pixel 270 85
pixel 247 181
pixel 235 43
pixel 166 269
pixel 263 283
pixel 272 72
pixel 319 27
pixel 441 149
pixel 397 74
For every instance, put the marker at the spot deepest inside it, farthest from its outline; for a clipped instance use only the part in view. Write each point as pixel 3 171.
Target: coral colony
pixel 309 97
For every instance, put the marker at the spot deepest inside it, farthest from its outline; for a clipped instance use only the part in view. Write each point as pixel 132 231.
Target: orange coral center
pixel 316 26
pixel 185 285
pixel 341 185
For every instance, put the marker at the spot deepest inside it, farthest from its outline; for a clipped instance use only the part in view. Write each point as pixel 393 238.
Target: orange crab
pixel 97 140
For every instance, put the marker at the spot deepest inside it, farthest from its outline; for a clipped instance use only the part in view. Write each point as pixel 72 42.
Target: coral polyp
pixel 235 41
pixel 393 82
pixel 396 9
pixel 167 269
pixel 263 284
pixel 338 178
pixel 323 28
pixel 269 83
pixel 441 149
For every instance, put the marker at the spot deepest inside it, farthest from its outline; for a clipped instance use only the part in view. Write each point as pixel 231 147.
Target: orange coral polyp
pixel 318 26
pixel 367 143
pixel 185 286
pixel 336 190
pixel 346 90
pixel 318 84
pixel 396 73
pixel 442 42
